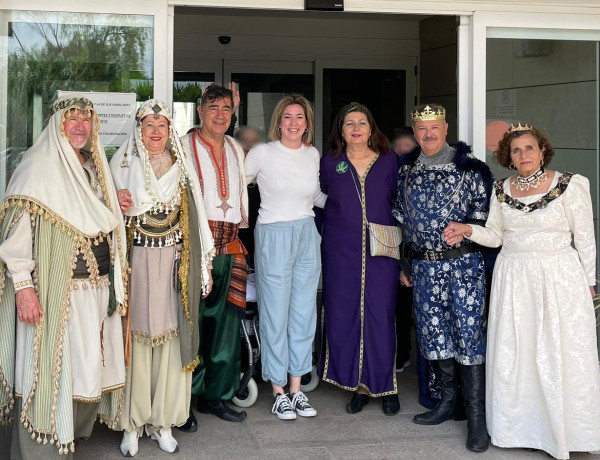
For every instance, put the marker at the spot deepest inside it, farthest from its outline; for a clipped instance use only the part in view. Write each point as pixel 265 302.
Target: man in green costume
pixel 63 288
pixel 219 162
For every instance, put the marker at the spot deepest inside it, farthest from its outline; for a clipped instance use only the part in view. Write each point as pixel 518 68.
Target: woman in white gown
pixel 543 378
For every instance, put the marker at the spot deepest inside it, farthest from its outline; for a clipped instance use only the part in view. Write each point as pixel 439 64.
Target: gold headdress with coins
pixel 428 114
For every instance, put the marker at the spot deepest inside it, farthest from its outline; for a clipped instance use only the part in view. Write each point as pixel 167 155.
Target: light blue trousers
pixel 288 265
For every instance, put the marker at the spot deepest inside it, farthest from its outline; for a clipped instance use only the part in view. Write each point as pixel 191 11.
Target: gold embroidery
pixel 26 283
pixel 98 282
pixel 184 269
pixel 191 366
pixel 85 399
pixel 155 340
pixel 112 388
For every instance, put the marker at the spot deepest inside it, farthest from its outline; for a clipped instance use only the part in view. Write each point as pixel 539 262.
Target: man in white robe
pixel 63 273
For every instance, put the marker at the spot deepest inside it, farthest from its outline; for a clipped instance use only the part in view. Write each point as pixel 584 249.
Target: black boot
pixel 460 410
pixel 444 410
pixel 191 425
pixel 473 386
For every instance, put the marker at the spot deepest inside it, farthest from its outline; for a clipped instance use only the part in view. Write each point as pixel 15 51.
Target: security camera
pixel 224 39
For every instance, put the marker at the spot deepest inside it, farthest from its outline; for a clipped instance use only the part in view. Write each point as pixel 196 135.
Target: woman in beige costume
pixel 170 250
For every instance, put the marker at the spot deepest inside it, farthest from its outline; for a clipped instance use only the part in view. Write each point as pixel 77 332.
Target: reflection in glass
pixel 188 88
pixel 49 51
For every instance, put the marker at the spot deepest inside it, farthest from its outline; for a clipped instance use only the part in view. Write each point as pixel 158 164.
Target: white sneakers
pixel 282 407
pixel 166 441
pixel 301 406
pixel 286 409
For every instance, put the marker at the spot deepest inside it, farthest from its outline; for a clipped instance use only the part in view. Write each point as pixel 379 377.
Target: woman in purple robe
pixel 359 291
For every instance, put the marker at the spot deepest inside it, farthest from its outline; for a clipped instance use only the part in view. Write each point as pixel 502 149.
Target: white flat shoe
pixel 129 443
pixel 166 441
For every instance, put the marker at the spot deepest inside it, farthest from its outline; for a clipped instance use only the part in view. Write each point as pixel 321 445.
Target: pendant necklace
pixel 523 184
pixel 220 171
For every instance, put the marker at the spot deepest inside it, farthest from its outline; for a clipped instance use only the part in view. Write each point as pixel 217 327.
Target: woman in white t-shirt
pixel 287 251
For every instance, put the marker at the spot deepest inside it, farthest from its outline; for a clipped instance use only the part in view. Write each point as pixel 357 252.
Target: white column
pixel 478 59
pixel 465 70
pixel 170 54
pixel 163 56
pixel 5 17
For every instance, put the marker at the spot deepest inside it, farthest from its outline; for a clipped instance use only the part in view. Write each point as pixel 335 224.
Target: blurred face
pixel 404 145
pixel 430 135
pixel 216 117
pixel 78 127
pixel 356 129
pixel 525 154
pixel 155 134
pixel 293 125
pixel 248 138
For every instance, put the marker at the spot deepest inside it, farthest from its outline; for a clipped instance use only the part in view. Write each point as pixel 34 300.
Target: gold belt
pixel 151 231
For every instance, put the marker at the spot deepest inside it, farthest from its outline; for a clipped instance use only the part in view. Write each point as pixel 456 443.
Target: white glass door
pixel 541 69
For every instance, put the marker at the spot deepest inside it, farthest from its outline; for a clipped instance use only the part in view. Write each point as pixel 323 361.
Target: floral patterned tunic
pixel 449 295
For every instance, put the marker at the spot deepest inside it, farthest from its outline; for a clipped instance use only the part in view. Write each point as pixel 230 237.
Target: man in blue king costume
pixel 439 183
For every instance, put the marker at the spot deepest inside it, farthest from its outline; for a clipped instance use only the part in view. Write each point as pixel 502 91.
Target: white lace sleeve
pixel 493 233
pixel 579 211
pixel 17 253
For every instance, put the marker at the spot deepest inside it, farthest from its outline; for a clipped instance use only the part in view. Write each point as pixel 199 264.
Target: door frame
pixel 408 64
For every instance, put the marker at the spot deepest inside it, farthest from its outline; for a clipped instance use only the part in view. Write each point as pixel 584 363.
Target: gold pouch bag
pixel 384 240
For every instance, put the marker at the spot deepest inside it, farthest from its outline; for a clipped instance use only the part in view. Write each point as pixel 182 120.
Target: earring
pixel 369 141
pixel 306 130
pixel 512 167
pixel 542 163
pixel 279 131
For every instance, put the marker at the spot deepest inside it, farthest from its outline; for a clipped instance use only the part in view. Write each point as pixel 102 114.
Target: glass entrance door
pixel 388 88
pixel 263 83
pixel 260 93
pixel 553 85
pixel 383 91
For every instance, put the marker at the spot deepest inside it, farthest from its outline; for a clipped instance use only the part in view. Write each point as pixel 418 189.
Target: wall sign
pixel 116 112
pixel 506 103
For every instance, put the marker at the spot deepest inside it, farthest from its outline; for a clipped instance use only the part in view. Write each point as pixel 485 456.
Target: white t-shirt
pixel 288 180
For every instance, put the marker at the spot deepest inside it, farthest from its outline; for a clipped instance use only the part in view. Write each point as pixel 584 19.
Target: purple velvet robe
pixel 359 343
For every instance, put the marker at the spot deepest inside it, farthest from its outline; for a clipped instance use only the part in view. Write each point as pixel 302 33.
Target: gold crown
pixel 519 127
pixel 428 114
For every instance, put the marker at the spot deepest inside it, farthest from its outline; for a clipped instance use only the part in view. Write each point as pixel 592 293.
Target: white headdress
pixel 131 170
pixel 50 174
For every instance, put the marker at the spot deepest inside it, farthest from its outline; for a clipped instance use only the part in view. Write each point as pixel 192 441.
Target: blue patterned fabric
pixel 449 295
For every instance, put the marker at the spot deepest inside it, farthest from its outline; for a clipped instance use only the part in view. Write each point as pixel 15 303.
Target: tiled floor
pixel 333 434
